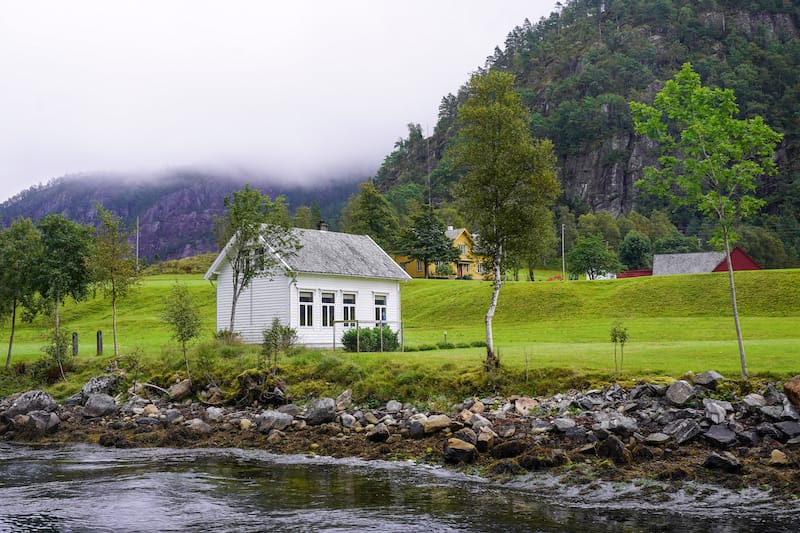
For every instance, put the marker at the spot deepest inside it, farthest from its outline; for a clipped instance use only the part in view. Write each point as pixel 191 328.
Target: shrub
pixel 462 345
pixel 426 347
pixel 478 344
pixel 370 340
pixel 446 345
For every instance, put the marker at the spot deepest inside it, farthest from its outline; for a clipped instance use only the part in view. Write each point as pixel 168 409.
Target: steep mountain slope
pixel 176 210
pixel 578 69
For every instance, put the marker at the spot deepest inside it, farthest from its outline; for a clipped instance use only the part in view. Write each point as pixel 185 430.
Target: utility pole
pixel 563 259
pixel 137 245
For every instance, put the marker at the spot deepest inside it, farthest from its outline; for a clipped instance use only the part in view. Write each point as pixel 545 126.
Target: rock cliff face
pixel 175 211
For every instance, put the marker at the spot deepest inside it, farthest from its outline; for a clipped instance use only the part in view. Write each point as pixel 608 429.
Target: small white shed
pixel 335 282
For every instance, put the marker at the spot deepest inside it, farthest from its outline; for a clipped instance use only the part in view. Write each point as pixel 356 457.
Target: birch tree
pixel 508 176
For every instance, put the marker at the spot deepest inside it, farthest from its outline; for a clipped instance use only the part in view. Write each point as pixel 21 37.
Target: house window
pixel 349 308
pixel 328 306
pixel 466 269
pixel 419 265
pixel 306 308
pixel 380 308
pixel 479 268
pixel 462 249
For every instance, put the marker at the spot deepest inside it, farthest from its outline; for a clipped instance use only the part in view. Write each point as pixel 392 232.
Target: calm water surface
pixel 88 488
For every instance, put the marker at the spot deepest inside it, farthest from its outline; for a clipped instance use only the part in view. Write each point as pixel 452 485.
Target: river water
pixel 90 488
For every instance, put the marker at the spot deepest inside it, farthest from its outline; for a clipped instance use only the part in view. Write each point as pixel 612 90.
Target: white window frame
pixel 381 309
pixel 306 308
pixel 349 309
pixel 328 309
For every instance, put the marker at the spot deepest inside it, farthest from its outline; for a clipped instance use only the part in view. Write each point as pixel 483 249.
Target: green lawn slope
pixel 548 334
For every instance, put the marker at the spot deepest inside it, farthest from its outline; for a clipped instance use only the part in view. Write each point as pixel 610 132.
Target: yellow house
pixel 469 264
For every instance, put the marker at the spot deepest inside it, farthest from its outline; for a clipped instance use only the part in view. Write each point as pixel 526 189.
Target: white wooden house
pixel 334 282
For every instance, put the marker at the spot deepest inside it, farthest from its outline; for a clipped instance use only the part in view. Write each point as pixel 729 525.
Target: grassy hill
pixel 549 334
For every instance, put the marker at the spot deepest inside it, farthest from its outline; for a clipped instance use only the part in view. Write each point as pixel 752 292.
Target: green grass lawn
pixel 676 324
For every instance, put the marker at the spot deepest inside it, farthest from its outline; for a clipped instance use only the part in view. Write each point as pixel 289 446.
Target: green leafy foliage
pixel 635 251
pixel 183 317
pixel 592 257
pixel 425 240
pixel 380 339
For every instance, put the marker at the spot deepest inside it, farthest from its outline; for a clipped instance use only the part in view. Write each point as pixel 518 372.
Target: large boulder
pixel 100 385
pixel 180 390
pixel 37 422
pixel 792 391
pixel 269 420
pixel 35 400
pixel 708 379
pixel 379 433
pixel 614 449
pixel 321 411
pixel 716 411
pixel 720 435
pixel 725 461
pixel 682 430
pixel 99 404
pixel 435 423
pixel 458 451
pixel 680 392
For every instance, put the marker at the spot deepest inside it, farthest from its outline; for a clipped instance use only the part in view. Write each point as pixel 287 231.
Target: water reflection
pixel 86 488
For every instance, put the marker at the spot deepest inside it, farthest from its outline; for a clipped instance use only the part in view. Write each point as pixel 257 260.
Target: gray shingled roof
pixel 694 263
pixel 453 233
pixel 342 254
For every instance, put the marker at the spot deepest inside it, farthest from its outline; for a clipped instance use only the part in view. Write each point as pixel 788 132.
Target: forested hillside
pixel 176 210
pixel 578 69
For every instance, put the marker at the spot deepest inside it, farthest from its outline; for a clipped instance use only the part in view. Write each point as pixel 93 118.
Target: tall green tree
pixel 19 253
pixel 592 257
pixel 62 268
pixel 260 234
pixel 636 251
pixel 508 176
pixel 710 159
pixel 425 240
pixel 371 214
pixel 113 262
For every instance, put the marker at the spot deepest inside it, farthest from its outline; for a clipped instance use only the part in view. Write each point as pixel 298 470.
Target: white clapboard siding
pixel 262 301
pixel 365 291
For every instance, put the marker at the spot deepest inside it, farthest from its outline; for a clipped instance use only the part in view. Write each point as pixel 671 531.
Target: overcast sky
pixel 299 90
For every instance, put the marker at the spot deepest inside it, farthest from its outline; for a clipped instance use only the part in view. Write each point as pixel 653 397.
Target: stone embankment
pixel 682 431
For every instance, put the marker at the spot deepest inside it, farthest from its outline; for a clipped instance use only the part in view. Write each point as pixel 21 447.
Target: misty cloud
pixel 300 91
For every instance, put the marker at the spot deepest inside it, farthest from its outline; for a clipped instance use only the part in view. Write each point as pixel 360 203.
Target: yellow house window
pixel 419 265
pixel 462 248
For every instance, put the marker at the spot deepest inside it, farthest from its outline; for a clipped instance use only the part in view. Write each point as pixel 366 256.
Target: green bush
pixel 426 347
pixel 478 344
pixel 446 345
pixel 370 340
pixel 462 345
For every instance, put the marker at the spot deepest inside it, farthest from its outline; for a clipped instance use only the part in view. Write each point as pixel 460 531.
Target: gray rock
pixel 748 437
pixel 614 449
pixel 708 379
pixel 38 421
pixel 35 400
pixel 754 400
pixel 485 440
pixel 100 385
pixel 74 400
pixel 198 425
pixel 180 390
pixel 147 421
pixel 563 424
pixel 789 410
pixel 347 420
pixel 769 430
pixel 725 461
pixel 720 435
pixel 616 423
pixel 467 435
pixel 98 405
pixel 393 406
pixel 273 419
pixel 478 422
pixel 416 426
pixel 790 428
pixel 682 430
pixel 715 411
pixel 773 412
pixel 457 451
pixel 657 438
pixel 289 409
pixel 525 405
pixel 321 411
pixel 379 433
pixel 215 414
pixel 541 426
pixel 680 392
pixel 173 416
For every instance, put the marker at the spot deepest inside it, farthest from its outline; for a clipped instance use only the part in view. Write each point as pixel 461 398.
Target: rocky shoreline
pixel 682 432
